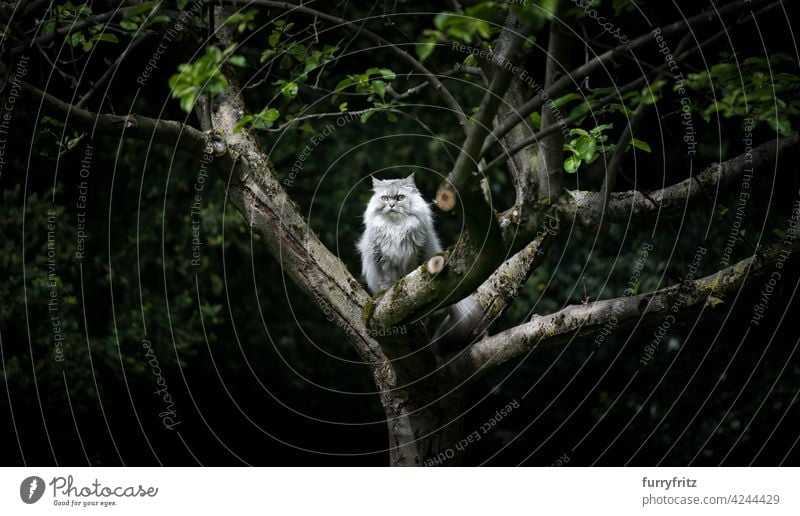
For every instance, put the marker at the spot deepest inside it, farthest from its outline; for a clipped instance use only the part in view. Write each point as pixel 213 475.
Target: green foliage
pixel 536 119
pixel 536 12
pixel 639 144
pixel 462 27
pixel 475 23
pixel 264 119
pixel 58 140
pixel 371 81
pixel 586 148
pixel 141 16
pixel 589 145
pixel 427 43
pixel 296 61
pixel 759 88
pixel 203 76
pixel 626 103
pixel 66 15
pixel 243 20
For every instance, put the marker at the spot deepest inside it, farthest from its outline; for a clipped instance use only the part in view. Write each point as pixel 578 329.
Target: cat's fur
pixel 398 237
pixel 398 233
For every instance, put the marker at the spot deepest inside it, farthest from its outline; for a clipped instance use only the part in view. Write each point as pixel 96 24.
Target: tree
pixel 542 125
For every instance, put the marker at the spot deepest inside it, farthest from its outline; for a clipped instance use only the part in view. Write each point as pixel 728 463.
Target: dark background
pixel 258 375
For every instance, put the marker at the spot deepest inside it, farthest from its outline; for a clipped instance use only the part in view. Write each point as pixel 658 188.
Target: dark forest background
pixel 257 374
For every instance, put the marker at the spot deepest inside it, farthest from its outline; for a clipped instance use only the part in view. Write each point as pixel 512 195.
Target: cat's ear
pixel 409 181
pixel 376 182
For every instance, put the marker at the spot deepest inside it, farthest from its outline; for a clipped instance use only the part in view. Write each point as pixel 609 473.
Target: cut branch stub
pixel 446 197
pixel 216 145
pixel 435 264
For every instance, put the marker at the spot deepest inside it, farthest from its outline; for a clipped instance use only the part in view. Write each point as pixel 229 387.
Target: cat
pixel 399 233
pixel 398 237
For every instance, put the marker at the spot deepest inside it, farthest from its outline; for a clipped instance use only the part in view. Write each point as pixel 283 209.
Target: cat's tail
pixel 456 329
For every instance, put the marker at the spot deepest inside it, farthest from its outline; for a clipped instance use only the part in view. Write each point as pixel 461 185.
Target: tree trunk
pixel 424 424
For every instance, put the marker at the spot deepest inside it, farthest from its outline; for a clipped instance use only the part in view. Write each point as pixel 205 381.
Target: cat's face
pixel 395 198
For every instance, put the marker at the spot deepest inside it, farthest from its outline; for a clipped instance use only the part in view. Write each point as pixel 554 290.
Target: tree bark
pixel 423 431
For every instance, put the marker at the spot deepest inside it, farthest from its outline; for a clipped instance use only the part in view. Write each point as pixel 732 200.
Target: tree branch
pixel 169 132
pixel 551 148
pixel 585 207
pixel 461 178
pixel 610 178
pixel 456 69
pixel 585 321
pixel 522 165
pixel 497 292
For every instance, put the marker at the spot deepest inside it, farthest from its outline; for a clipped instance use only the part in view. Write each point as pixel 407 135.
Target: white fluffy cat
pixel 398 237
pixel 399 232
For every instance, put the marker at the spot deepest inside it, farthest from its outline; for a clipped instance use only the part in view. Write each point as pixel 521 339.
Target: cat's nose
pixel 392 205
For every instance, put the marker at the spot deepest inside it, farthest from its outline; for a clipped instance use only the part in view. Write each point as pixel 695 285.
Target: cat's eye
pixel 401 197
pixel 384 198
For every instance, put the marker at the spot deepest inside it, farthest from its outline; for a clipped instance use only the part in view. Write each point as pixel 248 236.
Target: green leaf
pixel 203 76
pixel 535 12
pixel 586 148
pixel 73 142
pixel 366 116
pixel 290 90
pixel 239 61
pixel 343 107
pixel 579 131
pixel 385 73
pixel 187 102
pixel 600 129
pixel 780 125
pixel 142 8
pixel 344 83
pixel 441 19
pixel 379 87
pixel 242 123
pixel 243 20
pixel 266 118
pixel 270 114
pixel 642 145
pixel 110 38
pixel 571 164
pixel 424 50
pixel 76 39
pixel 560 101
